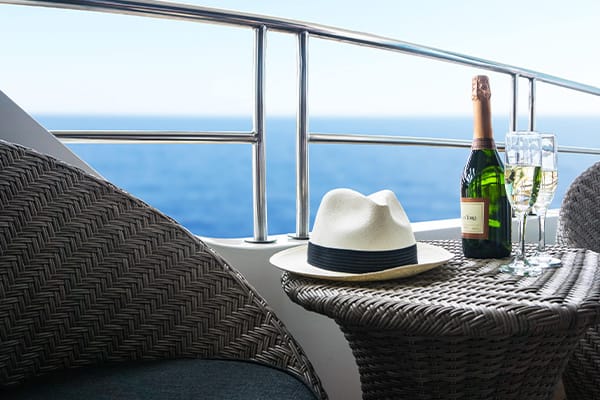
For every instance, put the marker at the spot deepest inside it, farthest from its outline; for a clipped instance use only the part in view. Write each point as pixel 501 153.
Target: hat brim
pixel 294 260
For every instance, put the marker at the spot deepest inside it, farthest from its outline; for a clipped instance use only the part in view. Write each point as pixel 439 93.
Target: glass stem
pixel 542 230
pixel 521 238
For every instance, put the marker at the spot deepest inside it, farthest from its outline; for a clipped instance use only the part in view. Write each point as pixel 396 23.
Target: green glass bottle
pixel 484 207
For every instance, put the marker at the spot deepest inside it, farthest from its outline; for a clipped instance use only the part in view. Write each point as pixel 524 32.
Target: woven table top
pixel 463 297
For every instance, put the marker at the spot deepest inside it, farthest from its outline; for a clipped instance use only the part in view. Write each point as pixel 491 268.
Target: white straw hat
pixel 357 237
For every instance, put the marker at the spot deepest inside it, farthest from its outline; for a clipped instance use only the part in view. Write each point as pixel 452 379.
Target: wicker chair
pixel 579 226
pixel 92 278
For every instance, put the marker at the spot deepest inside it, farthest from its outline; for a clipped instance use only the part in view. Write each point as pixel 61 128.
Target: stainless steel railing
pixel 303 31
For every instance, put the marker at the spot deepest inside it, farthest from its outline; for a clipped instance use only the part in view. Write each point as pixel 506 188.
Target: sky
pixel 65 62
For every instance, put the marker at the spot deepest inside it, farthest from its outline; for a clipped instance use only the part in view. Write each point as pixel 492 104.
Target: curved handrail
pixel 352 138
pixel 131 136
pixel 160 9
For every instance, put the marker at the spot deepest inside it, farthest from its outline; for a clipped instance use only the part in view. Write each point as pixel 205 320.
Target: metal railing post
pixel 302 194
pixel 514 109
pixel 259 167
pixel 532 100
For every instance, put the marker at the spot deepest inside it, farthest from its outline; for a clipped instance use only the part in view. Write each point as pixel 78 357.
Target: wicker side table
pixel 463 330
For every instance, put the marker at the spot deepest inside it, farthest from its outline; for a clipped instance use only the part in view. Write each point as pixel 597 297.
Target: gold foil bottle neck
pixel 481 88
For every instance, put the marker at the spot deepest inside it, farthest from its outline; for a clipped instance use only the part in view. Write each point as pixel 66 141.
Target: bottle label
pixel 474 213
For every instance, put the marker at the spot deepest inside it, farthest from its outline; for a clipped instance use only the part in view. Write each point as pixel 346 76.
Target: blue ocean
pixel 208 187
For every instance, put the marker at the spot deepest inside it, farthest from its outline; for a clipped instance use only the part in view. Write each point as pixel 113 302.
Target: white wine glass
pixel 548 184
pixel 522 173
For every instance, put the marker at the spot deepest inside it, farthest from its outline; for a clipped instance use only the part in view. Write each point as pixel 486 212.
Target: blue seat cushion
pixel 165 379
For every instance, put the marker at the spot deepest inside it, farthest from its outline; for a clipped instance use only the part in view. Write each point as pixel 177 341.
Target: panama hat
pixel 361 238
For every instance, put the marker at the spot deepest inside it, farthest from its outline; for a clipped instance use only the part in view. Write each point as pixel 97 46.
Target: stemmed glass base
pixel 522 268
pixel 541 256
pixel 520 265
pixel 544 260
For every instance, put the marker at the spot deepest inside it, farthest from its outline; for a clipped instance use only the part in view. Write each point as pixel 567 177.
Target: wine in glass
pixel 546 194
pixel 522 175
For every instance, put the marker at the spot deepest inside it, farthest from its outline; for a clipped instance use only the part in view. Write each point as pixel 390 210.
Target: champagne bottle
pixel 484 207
